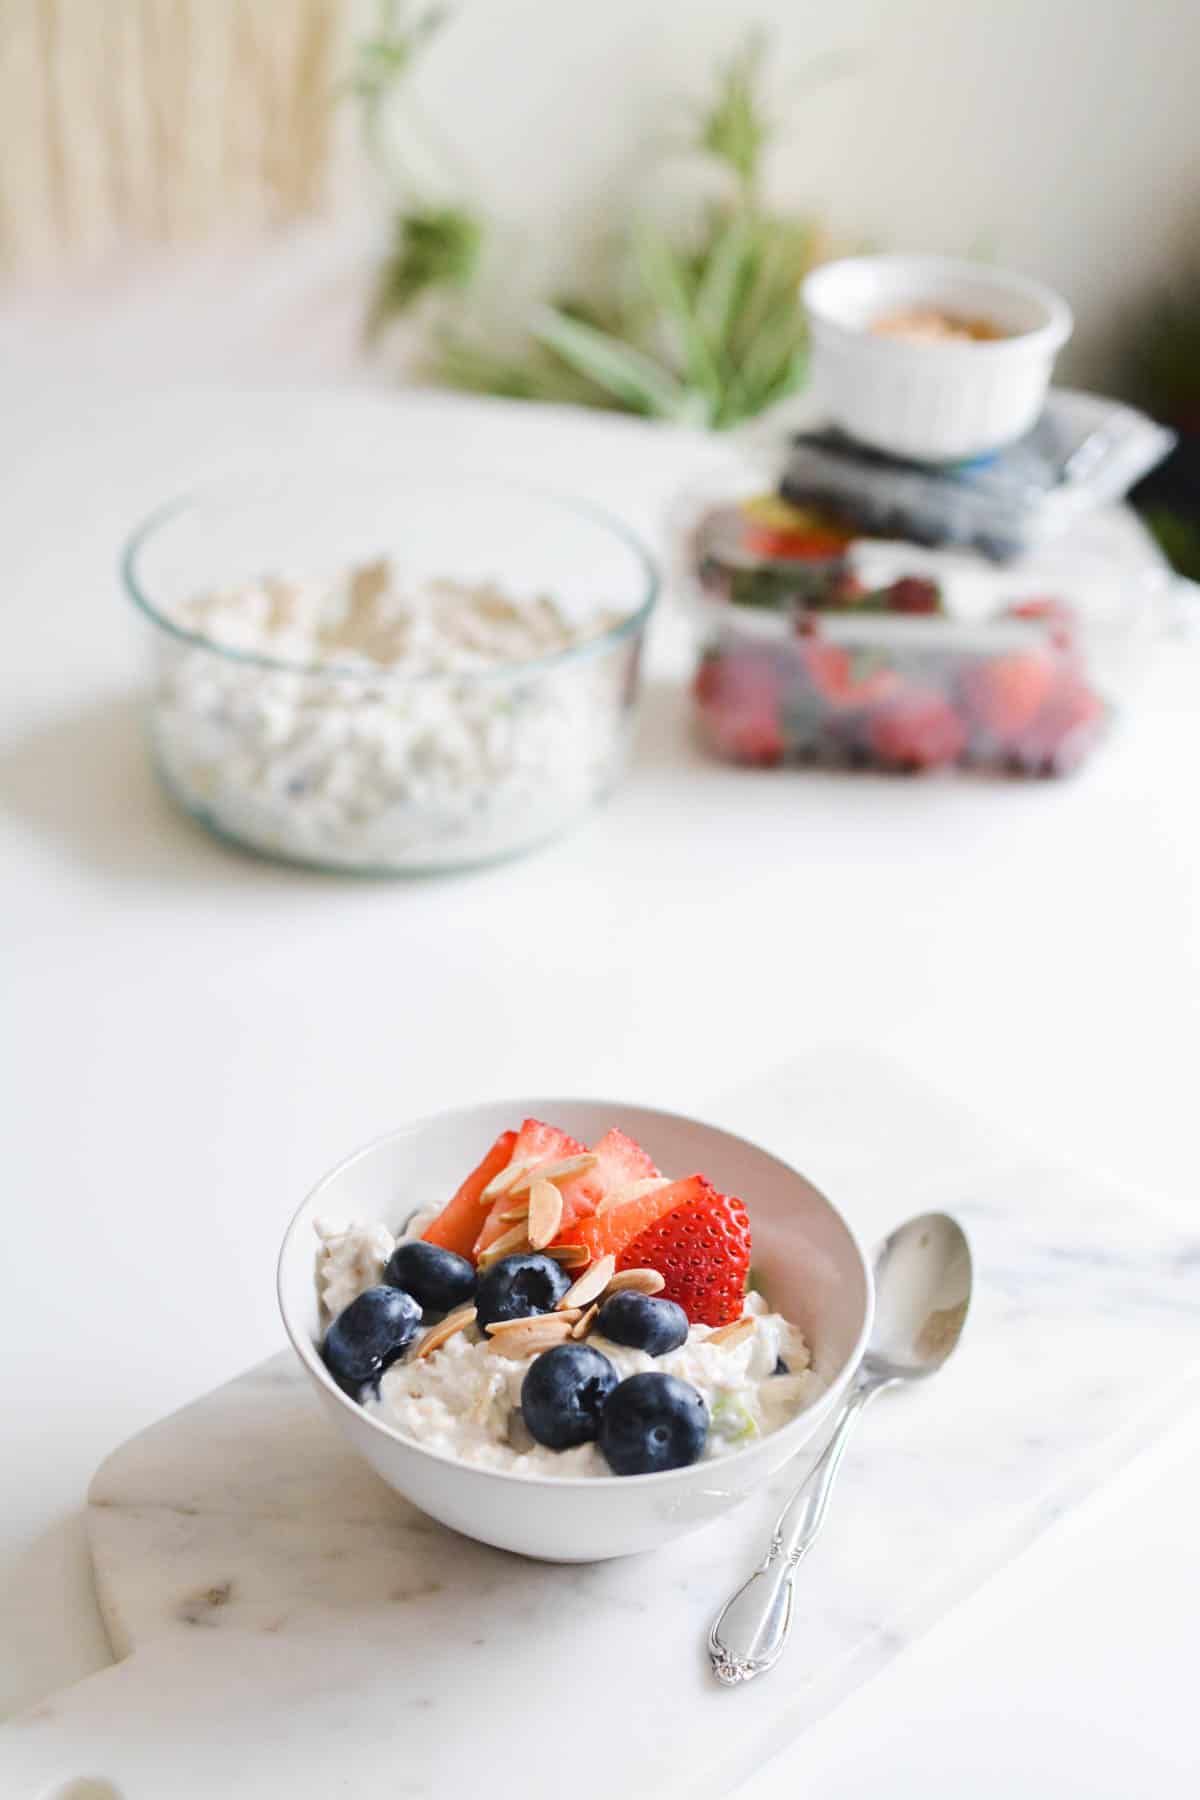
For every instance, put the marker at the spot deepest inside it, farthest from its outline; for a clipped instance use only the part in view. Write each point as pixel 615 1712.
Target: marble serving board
pixel 287 1625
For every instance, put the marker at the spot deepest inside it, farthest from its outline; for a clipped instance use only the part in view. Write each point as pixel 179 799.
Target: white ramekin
pixel 931 402
pixel 813 1268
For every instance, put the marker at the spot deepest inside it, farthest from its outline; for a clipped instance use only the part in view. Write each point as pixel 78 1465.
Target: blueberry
pixel 520 1287
pixel 653 1422
pixel 368 1336
pixel 643 1323
pixel 563 1395
pixel 781 1367
pixel 436 1278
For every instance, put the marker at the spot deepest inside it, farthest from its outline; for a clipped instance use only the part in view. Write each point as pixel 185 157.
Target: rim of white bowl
pixel 238 486
pixel 1051 334
pixel 307 1353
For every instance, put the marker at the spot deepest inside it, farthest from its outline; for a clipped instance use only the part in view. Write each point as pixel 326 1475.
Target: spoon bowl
pixel 922 1290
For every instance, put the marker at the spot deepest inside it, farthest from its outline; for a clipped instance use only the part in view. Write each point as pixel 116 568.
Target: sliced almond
pixel 499 1325
pixel 505 1181
pixel 585 1322
pixel 545 1213
pixel 512 1213
pixel 571 1256
pixel 534 1336
pixel 564 1170
pixel 637 1281
pixel 590 1285
pixel 731 1334
pixel 515 1238
pixel 455 1321
pixel 636 1190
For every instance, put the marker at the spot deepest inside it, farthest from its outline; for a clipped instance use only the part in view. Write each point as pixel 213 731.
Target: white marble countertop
pixel 190 1035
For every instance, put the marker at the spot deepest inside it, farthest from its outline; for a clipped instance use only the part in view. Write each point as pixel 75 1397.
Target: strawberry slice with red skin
pixel 1004 694
pixel 827 666
pixel 619 1163
pixel 1065 730
pixel 702 1250
pixel 755 738
pixel 917 728
pixel 1059 616
pixel 535 1143
pixel 606 1234
pixel 457 1225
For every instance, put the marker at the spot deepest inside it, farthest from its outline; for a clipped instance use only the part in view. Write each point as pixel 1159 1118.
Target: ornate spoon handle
pixel 751 1629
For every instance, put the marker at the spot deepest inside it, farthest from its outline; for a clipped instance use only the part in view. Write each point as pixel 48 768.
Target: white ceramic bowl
pixel 931 402
pixel 813 1269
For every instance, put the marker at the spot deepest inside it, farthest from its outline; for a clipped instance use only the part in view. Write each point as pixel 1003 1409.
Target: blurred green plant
pixel 700 324
pixel 1163 374
pixel 432 247
pixel 434 244
pixel 1178 535
pixel 1164 358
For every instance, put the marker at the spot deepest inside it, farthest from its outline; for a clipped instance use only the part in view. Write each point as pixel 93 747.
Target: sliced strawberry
pixel 1004 694
pixel 535 1143
pixel 773 527
pixel 608 1232
pixel 1061 618
pixel 749 737
pixel 873 689
pixel 619 1163
pixel 1065 729
pixel 457 1225
pixel 827 666
pixel 819 544
pixel 844 681
pixel 740 678
pixel 917 729
pixel 702 1249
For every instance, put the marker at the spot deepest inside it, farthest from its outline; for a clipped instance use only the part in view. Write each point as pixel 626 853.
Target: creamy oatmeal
pixel 466 1402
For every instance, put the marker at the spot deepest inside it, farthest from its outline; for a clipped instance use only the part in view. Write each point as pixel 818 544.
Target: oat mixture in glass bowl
pixel 389 673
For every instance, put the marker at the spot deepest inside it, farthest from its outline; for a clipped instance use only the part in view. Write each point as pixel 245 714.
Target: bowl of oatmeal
pixel 388 673
pixel 931 359
pixel 549 1347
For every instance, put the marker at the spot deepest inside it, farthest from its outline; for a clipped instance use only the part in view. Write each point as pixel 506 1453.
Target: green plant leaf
pixel 1179 537
pixel 527 374
pixel 432 247
pixel 735 128
pixel 727 276
pixel 670 284
pixel 784 256
pixel 629 374
pixel 381 61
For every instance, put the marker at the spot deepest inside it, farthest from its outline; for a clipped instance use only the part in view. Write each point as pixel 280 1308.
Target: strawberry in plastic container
pixel 738 693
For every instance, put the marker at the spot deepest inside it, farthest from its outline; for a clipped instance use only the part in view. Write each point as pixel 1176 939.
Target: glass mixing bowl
pixel 346 762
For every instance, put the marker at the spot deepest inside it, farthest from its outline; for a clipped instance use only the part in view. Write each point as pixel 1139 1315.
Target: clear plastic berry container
pixel 824 648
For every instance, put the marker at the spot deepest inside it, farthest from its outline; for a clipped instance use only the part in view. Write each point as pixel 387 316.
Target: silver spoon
pixel 922 1291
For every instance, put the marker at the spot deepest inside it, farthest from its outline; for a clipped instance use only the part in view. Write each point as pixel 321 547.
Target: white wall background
pixel 1062 136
